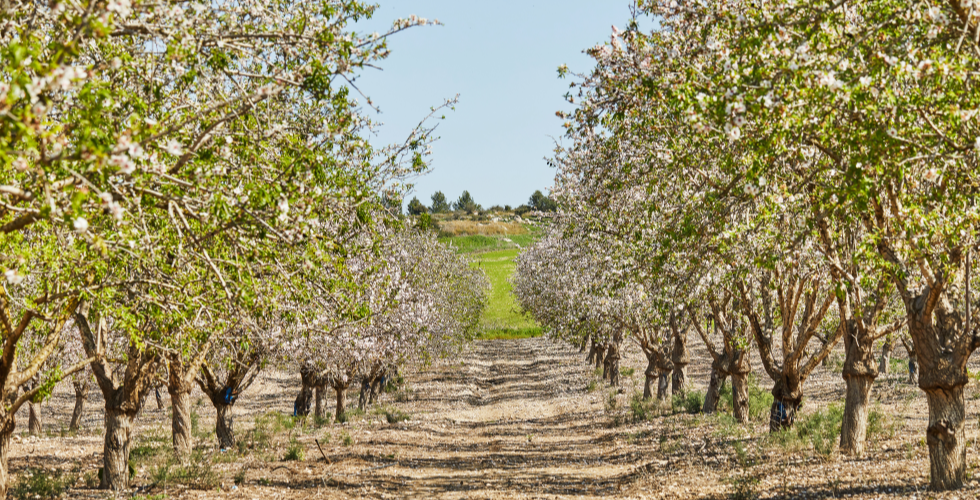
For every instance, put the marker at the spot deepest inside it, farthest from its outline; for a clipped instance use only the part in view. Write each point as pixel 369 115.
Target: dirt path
pixel 518 430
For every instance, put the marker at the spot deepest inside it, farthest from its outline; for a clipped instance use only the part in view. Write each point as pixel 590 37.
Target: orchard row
pixel 777 177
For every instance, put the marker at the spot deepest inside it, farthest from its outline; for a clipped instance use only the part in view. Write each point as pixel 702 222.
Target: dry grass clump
pixel 465 227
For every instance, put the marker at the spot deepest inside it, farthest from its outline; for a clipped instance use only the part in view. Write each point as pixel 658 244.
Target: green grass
pixel 501 318
pixel 479 243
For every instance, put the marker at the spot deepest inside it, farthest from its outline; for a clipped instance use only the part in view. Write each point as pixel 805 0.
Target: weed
pixel 91 480
pixel 743 488
pixel 346 439
pixel 295 452
pixel 641 410
pixel 41 483
pixel 690 402
pixel 726 427
pixel 198 473
pixel 819 430
pixel 142 453
pixel 322 421
pixel 593 385
pixel 239 477
pixel 627 372
pixel 394 415
pixel 881 425
pixel 195 423
pixel 264 481
pixel 611 402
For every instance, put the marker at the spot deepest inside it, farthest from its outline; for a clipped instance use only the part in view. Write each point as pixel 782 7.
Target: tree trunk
pixel 680 358
pixel 946 438
pixel 886 355
pixel 854 427
pixel 650 375
pixel 81 392
pixel 341 400
pixel 224 426
pixel 592 352
pixel 320 409
pixel 786 398
pixel 34 419
pixel 156 391
pixel 678 380
pixel 611 364
pixel 859 375
pixel 740 397
pixel 6 429
pixel 362 397
pixel 712 396
pixel 600 358
pixel 913 370
pixel 663 383
pixel 301 407
pixel 115 458
pixel 180 422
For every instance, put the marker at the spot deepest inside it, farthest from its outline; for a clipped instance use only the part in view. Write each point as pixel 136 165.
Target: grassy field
pixel 495 255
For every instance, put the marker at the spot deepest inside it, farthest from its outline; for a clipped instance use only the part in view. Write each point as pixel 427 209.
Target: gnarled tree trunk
pixel 663 383
pixel 224 426
pixel 679 357
pixel 946 437
pixel 650 374
pixel 115 457
pixel 341 402
pixel 320 412
pixel 34 419
pixel 6 430
pixel 886 355
pixel 713 393
pixel 180 422
pixel 786 399
pixel 859 375
pixel 156 392
pixel 740 385
pixel 81 392
pixel 611 364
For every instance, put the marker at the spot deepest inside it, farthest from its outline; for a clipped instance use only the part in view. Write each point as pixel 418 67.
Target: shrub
pixel 641 410
pixel 346 439
pixel 690 402
pixel 819 430
pixel 41 483
pixel 627 372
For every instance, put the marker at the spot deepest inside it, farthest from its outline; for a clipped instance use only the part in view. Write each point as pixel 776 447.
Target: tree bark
pixel 34 419
pixel 680 358
pixel 740 397
pixel 650 374
pixel 81 392
pixel 224 426
pixel 362 397
pixel 180 422
pixel 156 391
pixel 320 412
pixel 611 364
pixel 712 396
pixel 786 398
pixel 341 402
pixel 301 407
pixel 600 356
pixel 115 457
pixel 946 438
pixel 859 374
pixel 854 427
pixel 6 429
pixel 663 383
pixel 886 355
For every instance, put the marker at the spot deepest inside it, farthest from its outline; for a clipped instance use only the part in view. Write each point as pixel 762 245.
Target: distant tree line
pixel 538 202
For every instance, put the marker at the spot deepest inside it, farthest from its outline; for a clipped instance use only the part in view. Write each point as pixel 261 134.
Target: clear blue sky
pixel 501 57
